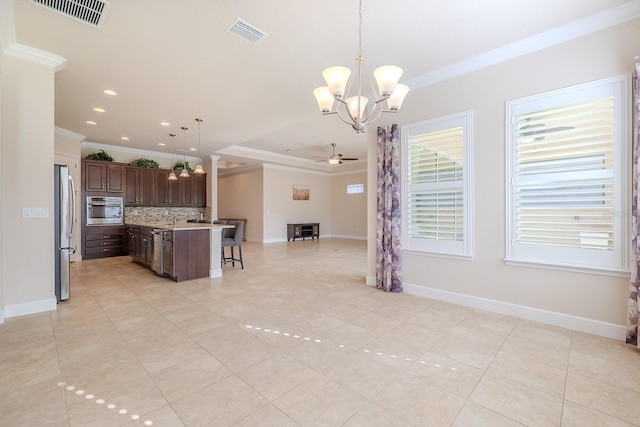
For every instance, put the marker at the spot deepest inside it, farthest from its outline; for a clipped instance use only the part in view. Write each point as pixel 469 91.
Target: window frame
pixel 615 263
pixel 435 247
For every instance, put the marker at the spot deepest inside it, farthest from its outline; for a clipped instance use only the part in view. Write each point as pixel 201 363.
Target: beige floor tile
pixel 393 352
pixel 222 403
pixel 34 405
pixel 518 402
pixel 471 353
pixel 602 397
pixel 626 375
pixel 479 334
pixel 474 415
pixel 267 416
pixel 536 375
pixel 276 375
pixel 363 374
pixel 578 416
pixel 488 320
pixel 419 403
pixel 553 354
pixel 164 416
pixel 417 335
pixel 320 401
pixel 189 376
pixel 448 374
pixel 350 335
pixel 371 415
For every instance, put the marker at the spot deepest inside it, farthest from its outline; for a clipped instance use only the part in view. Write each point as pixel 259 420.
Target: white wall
pixel 26 181
pixel 596 303
pixel 349 211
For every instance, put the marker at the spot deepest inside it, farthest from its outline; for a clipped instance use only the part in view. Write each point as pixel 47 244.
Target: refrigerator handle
pixel 73 212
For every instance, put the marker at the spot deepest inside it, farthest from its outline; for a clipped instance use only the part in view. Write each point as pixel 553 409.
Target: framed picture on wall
pixel 300 192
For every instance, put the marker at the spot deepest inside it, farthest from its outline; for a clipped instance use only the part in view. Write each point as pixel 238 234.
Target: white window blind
pixel 566 194
pixel 355 188
pixel 436 185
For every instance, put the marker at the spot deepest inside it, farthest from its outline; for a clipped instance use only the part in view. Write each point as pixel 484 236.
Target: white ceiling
pixel 173 61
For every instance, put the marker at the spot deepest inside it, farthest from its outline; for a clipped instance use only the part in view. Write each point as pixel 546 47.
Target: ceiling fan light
pixel 387 78
pixel 198 169
pixel 324 98
pixel 357 107
pixel 336 78
pixel 394 102
pixel 172 176
pixel 334 160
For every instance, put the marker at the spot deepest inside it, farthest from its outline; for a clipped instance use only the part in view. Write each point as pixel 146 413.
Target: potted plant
pixel 180 165
pixel 144 163
pixel 100 155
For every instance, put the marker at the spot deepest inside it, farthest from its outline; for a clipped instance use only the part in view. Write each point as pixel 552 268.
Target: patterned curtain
pixel 634 303
pixel 388 261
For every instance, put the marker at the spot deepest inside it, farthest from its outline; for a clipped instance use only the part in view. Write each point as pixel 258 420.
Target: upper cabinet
pixel 144 186
pixel 103 177
pixel 140 187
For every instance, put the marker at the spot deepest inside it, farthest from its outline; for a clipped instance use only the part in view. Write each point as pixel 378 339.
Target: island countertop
pixel 179 226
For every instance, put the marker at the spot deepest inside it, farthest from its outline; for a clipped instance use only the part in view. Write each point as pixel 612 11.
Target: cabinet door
pixel 115 178
pixel 131 188
pixel 167 255
pixel 198 190
pixel 94 176
pixel 146 188
pixel 185 191
pixel 161 195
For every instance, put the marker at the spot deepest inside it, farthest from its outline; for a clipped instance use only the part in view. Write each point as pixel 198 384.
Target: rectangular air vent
pixel 90 12
pixel 246 31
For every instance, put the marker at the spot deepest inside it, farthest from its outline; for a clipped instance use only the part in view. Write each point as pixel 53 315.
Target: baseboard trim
pixel 31 307
pixel 563 320
pixel 215 272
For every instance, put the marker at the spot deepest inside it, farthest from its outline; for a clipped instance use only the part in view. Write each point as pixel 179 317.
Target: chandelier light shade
pixel 185 172
pixel 356 110
pixel 172 175
pixel 198 168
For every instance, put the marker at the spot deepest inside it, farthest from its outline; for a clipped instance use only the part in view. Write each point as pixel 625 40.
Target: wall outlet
pixel 35 212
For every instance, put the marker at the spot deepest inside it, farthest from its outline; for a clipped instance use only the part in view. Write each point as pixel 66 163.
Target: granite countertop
pixel 178 226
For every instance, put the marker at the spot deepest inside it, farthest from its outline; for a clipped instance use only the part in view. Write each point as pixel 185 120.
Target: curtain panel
pixel 632 323
pixel 388 260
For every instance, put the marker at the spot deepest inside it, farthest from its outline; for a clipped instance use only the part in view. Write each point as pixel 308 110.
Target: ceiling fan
pixel 335 159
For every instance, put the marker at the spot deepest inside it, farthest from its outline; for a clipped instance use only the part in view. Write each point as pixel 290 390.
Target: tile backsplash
pixel 139 214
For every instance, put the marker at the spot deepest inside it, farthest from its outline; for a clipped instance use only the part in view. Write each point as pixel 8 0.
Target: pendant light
pixel 172 175
pixel 198 168
pixel 185 172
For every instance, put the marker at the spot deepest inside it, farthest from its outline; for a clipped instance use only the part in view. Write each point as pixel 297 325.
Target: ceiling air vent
pixel 246 31
pixel 90 12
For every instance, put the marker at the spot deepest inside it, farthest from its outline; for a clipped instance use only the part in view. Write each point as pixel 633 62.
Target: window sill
pixel 570 268
pixel 438 254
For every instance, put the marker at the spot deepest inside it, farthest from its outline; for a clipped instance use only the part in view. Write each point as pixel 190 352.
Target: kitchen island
pixel 180 251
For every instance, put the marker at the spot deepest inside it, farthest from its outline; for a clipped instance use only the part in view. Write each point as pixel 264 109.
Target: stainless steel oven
pixel 105 210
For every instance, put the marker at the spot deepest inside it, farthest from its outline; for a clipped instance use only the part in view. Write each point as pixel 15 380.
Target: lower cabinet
pixel 103 241
pixel 140 244
pixel 167 253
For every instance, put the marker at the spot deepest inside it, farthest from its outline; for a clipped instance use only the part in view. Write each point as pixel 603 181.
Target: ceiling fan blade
pixel 348 158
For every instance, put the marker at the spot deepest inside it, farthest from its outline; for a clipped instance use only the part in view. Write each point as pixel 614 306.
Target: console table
pixel 296 231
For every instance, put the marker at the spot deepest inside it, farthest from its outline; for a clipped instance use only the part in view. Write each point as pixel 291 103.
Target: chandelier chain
pixel 360 31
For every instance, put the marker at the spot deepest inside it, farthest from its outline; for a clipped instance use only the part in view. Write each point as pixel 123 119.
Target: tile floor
pixel 298 339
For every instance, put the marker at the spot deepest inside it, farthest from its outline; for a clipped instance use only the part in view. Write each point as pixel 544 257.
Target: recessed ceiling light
pixel 124 138
pixel 98 109
pixel 90 122
pixel 110 92
pixel 162 144
pixel 192 149
pixel 164 123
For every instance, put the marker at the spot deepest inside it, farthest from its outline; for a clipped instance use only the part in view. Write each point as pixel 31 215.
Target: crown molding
pixel 69 134
pixel 580 28
pixel 32 54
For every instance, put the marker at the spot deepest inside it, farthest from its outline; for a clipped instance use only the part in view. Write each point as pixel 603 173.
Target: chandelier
pixel 198 168
pixel 355 110
pixel 172 175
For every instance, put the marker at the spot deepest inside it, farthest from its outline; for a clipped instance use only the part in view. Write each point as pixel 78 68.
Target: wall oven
pixel 105 210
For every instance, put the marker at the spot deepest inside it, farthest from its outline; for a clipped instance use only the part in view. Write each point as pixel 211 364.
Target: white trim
pixel 29 53
pixel 215 272
pixel 30 307
pixel 580 28
pixel 344 236
pixel 69 134
pixel 545 265
pixel 562 320
pixel 370 281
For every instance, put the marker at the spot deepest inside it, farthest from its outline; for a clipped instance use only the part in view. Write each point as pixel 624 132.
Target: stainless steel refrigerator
pixel 64 224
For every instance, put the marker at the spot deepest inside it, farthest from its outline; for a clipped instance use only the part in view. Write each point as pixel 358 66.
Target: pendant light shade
pixel 198 169
pixel 185 172
pixel 172 175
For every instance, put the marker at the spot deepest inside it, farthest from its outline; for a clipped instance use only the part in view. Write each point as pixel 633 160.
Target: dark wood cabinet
pixel 133 242
pixel 167 253
pixel 166 192
pixel 297 231
pixel 140 244
pixel 198 190
pixel 103 241
pixel 140 187
pixel 103 177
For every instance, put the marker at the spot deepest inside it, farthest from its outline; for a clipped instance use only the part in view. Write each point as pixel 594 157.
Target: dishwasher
pixel 157 263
